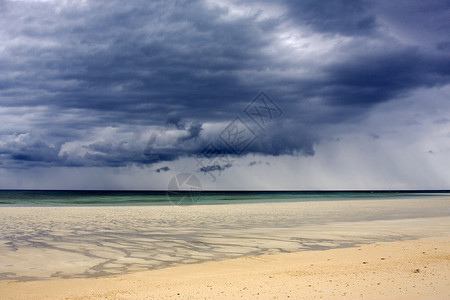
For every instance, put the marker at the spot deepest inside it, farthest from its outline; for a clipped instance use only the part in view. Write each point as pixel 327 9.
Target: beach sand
pixel 358 249
pixel 417 269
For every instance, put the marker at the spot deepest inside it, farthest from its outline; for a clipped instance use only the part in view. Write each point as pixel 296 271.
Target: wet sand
pixel 147 251
pixel 418 269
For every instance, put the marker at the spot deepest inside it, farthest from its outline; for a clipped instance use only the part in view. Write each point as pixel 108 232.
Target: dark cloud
pixel 162 169
pixel 379 77
pixel 193 130
pixel 443 46
pixel 442 121
pixel 116 83
pixel 21 150
pixel 254 163
pixel 344 17
pixel 213 168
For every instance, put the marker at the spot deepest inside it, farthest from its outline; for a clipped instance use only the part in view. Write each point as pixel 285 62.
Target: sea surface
pixel 114 198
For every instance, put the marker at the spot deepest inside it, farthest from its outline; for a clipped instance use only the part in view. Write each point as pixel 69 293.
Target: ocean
pixel 118 198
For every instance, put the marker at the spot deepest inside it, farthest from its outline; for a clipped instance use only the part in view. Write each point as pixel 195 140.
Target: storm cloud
pixel 114 84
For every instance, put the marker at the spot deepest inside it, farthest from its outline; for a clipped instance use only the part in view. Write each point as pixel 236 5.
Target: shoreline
pixel 297 250
pixel 409 269
pixel 63 242
pixel 53 198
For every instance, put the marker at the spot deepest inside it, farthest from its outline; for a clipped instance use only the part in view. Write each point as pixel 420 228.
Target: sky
pixel 298 95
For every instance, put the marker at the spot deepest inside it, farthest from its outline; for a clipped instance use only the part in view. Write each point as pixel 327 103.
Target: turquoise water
pixel 113 198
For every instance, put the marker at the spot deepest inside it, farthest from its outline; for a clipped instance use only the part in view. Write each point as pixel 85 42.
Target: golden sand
pixel 417 269
pixel 229 251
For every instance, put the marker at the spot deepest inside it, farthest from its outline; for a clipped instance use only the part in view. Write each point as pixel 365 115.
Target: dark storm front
pixel 238 136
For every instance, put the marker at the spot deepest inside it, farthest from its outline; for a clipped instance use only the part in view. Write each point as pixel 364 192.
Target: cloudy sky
pixel 333 94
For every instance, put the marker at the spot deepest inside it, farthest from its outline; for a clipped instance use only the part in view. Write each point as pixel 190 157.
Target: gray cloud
pixel 254 163
pixel 162 169
pixel 139 83
pixel 22 150
pixel 344 17
pixel 213 168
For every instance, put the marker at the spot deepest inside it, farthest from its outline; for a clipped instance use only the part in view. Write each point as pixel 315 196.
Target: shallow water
pixel 77 241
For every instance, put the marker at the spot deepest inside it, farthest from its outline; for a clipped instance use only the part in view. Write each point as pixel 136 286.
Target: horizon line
pixel 234 191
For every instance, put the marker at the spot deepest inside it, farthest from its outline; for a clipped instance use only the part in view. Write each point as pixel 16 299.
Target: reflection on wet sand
pixel 60 242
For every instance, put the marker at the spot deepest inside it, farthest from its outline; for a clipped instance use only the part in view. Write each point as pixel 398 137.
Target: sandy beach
pixel 418 269
pixel 356 249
